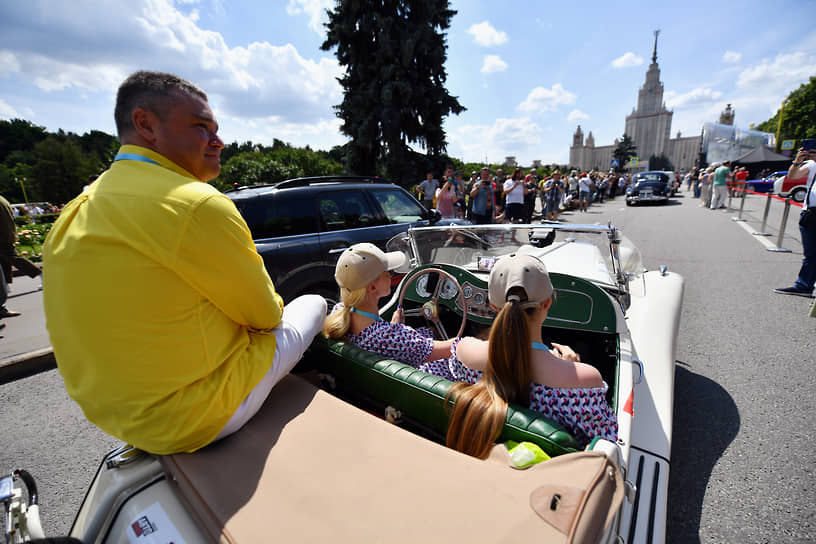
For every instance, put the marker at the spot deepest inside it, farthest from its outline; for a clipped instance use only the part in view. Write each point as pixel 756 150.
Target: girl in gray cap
pixel 515 366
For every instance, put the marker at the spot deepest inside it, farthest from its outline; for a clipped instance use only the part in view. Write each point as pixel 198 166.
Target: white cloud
pixel 628 60
pixel 485 35
pixel 576 115
pixel 493 63
pixel 786 71
pixel 731 57
pixel 698 96
pixel 519 137
pixel 315 9
pixel 542 100
pixel 7 112
pixel 60 53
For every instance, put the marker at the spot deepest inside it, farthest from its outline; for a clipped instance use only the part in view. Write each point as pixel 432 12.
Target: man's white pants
pixel 718 196
pixel 302 320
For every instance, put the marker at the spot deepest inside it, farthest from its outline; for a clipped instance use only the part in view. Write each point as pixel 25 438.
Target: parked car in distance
pixel 796 189
pixel 301 226
pixel 766 184
pixel 674 182
pixel 652 186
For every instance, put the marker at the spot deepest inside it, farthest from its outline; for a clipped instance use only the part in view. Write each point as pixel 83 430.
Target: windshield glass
pixel 579 250
pixel 651 177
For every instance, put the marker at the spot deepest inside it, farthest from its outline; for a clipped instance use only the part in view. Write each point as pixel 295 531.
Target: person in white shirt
pixel 514 192
pixel 805 165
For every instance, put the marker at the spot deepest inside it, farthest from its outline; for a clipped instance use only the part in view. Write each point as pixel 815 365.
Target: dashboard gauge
pixel 479 298
pixel 467 290
pixel 448 290
pixel 422 286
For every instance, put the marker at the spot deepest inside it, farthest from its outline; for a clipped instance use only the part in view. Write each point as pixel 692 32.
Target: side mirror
pixel 434 215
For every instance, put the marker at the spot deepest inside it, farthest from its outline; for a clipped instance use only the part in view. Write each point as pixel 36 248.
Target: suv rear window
pixel 398 207
pixel 266 220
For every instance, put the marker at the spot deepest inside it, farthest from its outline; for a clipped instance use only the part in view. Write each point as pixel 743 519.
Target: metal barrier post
pixel 742 205
pixel 782 229
pixel 761 231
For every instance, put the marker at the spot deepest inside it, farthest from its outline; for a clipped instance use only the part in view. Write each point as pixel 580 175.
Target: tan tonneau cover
pixel 311 468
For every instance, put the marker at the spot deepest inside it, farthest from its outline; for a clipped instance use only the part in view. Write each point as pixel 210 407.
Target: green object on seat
pixel 422 396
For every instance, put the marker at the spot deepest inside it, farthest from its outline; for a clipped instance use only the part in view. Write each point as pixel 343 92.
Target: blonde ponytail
pixel 338 323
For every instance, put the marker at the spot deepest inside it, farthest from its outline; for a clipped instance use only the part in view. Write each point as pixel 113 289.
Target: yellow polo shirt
pixel 156 302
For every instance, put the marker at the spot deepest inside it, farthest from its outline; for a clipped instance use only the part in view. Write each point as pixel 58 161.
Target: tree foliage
pixel 660 162
pixel 798 117
pixel 394 53
pixel 54 167
pixel 624 151
pixel 265 165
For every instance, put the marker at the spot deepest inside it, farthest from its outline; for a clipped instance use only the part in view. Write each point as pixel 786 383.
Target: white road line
pixel 764 240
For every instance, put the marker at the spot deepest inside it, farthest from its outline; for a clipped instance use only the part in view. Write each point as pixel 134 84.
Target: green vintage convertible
pixel 350 447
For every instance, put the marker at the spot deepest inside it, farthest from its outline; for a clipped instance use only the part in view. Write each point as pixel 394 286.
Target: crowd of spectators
pixel 496 197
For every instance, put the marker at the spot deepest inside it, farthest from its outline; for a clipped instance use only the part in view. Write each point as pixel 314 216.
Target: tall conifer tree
pixel 394 53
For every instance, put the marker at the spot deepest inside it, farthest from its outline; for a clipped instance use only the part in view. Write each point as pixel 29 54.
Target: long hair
pixel 479 410
pixel 338 323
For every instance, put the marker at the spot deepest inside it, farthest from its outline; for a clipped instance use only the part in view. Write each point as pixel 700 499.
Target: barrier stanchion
pixel 761 231
pixel 785 214
pixel 742 205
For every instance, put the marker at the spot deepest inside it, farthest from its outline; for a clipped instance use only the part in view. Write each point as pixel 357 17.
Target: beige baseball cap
pixel 360 264
pixel 519 270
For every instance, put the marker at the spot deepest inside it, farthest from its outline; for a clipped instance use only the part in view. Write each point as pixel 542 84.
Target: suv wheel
pixel 332 297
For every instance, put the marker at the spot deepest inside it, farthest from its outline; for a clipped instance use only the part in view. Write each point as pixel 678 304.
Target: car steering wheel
pixel 430 309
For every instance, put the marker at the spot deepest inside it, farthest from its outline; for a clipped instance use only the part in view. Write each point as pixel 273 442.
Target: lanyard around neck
pixel 354 310
pixel 133 157
pixel 539 346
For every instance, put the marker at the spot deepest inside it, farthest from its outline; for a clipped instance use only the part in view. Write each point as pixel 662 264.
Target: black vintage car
pixel 649 187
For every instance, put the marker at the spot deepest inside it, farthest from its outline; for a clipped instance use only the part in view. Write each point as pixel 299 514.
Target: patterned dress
pixel 583 411
pixel 402 343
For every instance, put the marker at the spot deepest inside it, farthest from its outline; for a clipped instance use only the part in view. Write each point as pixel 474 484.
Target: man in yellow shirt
pixel 166 327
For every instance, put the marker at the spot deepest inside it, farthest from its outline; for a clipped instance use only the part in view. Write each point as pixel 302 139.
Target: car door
pixel 347 217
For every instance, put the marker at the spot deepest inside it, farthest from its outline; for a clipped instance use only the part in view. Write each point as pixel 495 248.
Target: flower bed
pixel 30 238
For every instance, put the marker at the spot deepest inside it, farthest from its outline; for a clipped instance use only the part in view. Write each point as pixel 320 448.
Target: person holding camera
pixel 481 197
pixel 805 165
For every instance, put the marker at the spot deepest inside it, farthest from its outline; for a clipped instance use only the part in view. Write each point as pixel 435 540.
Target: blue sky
pixel 528 72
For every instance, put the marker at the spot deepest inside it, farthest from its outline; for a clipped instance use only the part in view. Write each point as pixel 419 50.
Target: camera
pixel 809 144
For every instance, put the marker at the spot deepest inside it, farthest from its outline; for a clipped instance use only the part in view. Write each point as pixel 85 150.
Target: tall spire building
pixel 649 126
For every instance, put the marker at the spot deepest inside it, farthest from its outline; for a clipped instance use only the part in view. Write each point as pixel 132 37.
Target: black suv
pixel 301 226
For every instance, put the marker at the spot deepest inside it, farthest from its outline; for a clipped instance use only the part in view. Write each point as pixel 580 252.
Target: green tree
pixel 61 170
pixel 798 116
pixel 394 53
pixel 251 168
pixel 624 151
pixel 660 162
pixel 18 135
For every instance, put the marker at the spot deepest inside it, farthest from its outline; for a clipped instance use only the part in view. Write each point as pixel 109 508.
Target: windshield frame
pixel 423 246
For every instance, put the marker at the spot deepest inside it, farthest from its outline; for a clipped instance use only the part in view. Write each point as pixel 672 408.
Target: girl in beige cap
pixel 363 274
pixel 514 366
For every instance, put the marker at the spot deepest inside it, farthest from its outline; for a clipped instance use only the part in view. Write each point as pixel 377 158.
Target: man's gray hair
pixel 152 91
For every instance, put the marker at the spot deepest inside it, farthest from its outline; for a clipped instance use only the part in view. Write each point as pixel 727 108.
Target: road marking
pixel 761 239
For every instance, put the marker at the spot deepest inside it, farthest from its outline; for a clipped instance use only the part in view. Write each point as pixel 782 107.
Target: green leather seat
pixel 421 396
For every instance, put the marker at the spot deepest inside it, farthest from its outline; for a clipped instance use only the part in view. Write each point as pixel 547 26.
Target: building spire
pixel 654 55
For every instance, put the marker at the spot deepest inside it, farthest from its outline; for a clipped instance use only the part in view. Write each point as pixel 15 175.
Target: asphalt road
pixel 742 456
